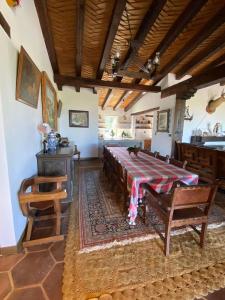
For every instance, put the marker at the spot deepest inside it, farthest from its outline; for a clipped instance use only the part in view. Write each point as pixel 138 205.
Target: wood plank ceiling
pixel 81 37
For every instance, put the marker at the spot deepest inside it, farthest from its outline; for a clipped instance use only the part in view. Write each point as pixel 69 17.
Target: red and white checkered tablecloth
pixel 147 169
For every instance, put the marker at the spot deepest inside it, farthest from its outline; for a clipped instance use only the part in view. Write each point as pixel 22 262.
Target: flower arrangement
pixel 44 129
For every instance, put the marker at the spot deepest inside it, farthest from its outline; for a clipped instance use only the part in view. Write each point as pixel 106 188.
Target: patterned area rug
pixel 103 221
pixel 140 271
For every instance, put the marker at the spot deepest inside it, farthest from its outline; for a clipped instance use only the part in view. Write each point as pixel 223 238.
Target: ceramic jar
pixel 52 141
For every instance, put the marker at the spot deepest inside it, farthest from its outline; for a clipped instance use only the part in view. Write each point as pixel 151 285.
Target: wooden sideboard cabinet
pixel 59 162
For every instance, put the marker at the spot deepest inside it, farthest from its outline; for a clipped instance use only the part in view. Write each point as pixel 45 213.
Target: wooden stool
pixel 33 201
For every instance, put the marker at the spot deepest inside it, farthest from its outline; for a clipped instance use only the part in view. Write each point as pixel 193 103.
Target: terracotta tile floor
pixel 36 273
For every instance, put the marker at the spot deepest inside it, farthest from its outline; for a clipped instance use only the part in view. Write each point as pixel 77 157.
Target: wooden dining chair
pixel 153 154
pixel 185 206
pixel 120 181
pixel 32 201
pixel 177 163
pixel 163 158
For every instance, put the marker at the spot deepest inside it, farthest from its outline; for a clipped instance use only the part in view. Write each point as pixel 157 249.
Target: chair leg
pixel 143 208
pixel 167 240
pixel 203 234
pixel 144 212
pixel 58 216
pixel 29 228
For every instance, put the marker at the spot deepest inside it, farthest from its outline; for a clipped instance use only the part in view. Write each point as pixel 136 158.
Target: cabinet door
pixel 53 167
pixel 57 167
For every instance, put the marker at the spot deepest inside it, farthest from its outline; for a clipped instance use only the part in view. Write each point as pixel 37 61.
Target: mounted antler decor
pixel 13 3
pixel 213 104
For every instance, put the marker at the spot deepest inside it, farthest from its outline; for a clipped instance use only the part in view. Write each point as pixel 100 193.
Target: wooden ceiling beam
pixel 145 111
pixel 115 21
pixel 147 23
pixel 214 63
pixel 42 11
pixel 90 83
pixel 107 98
pixel 133 102
pixel 126 93
pixel 216 75
pixel 80 8
pixel 179 25
pixel 120 100
pixel 201 57
pixel 207 30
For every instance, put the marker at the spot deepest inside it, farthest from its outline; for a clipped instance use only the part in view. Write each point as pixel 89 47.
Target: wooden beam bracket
pixel 216 75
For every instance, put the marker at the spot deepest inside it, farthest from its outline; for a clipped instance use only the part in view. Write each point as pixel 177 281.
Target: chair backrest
pixel 153 154
pixel 177 163
pixel 29 192
pixel 120 172
pixel 163 158
pixel 193 196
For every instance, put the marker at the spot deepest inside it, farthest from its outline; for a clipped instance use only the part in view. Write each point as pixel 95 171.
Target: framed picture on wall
pixel 49 102
pixel 78 118
pixel 163 117
pixel 28 80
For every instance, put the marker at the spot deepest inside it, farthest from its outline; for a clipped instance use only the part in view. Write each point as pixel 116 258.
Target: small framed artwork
pixel 78 118
pixel 49 102
pixel 163 120
pixel 28 80
pixel 59 108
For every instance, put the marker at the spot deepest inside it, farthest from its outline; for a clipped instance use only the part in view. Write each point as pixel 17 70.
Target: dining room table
pixel 144 168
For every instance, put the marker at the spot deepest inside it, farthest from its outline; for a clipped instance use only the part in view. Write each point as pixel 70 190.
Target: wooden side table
pixel 58 163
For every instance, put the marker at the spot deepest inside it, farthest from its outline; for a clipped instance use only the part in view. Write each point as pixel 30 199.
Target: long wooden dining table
pixel 147 169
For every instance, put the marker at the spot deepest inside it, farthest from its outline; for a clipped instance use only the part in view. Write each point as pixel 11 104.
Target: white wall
pixel 161 141
pixel 26 31
pixel 7 234
pixel 197 106
pixel 22 140
pixel 85 138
